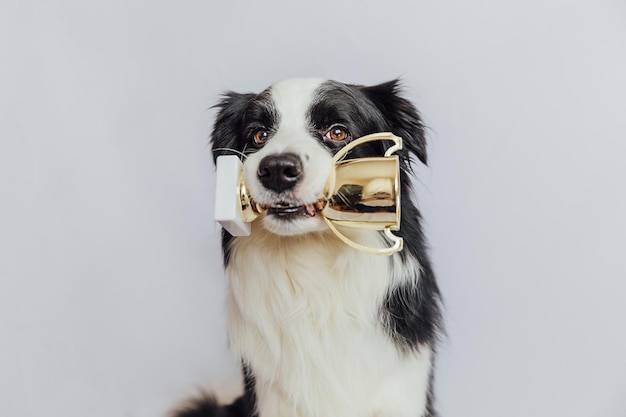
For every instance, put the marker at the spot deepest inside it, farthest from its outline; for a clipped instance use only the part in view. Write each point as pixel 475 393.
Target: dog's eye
pixel 260 137
pixel 337 133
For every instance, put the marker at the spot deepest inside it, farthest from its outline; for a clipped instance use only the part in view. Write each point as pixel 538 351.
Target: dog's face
pixel 288 134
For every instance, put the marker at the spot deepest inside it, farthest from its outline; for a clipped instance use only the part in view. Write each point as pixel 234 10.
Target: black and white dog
pixel 323 330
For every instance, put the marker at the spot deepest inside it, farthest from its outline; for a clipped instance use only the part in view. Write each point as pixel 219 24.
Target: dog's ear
pixel 226 135
pixel 403 118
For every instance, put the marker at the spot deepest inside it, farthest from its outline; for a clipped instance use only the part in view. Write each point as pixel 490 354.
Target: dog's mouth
pixel 288 210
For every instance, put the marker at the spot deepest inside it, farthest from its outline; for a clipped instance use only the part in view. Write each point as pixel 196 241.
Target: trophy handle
pixel 370 138
pixel 398 242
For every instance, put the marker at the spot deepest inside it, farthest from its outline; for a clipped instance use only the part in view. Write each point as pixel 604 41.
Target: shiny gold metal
pixel 364 193
pixel 361 193
pixel 249 209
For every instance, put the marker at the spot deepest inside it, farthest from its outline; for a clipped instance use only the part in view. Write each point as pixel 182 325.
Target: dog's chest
pixel 304 313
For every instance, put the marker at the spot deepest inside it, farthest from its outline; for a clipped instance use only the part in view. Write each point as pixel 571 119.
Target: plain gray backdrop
pixel 111 284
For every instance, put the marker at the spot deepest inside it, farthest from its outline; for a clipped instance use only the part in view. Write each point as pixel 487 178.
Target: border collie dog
pixel 322 329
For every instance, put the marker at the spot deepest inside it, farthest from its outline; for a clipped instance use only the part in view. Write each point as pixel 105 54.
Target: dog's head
pixel 287 135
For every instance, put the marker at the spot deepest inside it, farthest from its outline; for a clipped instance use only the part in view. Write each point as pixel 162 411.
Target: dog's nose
pixel 280 172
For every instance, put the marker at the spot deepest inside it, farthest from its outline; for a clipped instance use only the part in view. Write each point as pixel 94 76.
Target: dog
pixel 322 329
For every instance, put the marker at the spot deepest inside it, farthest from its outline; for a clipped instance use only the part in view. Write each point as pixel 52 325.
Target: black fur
pixel 402 118
pixel 229 123
pixel 206 405
pixel 411 314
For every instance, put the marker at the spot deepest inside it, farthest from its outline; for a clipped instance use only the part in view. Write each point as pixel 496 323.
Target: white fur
pixel 303 307
pixel 303 312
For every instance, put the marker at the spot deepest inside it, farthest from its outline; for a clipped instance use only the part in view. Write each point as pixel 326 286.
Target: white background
pixel 111 285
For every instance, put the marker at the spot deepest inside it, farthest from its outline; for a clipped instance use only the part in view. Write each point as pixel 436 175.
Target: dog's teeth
pixel 310 209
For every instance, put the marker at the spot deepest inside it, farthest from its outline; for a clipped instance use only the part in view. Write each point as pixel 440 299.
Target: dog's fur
pixel 321 329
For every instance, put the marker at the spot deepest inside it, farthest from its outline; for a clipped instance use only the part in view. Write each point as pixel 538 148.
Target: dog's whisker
pixel 343 157
pixel 235 151
pixel 344 199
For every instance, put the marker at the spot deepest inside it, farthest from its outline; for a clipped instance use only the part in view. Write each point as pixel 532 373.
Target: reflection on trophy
pixel 365 194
